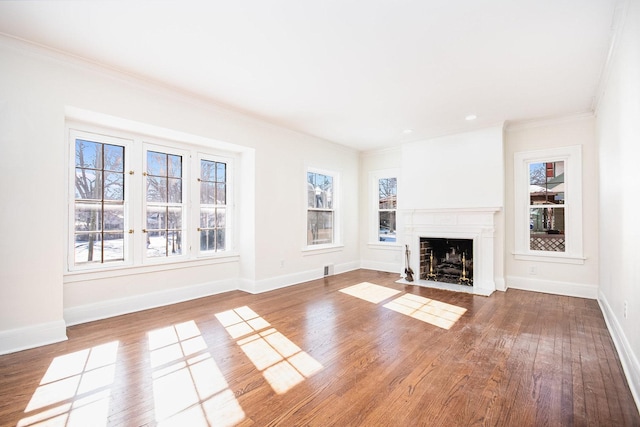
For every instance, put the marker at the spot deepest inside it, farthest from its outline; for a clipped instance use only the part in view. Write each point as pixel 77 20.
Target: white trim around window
pixel 572 158
pixel 82 252
pixel 172 229
pixel 223 206
pixel 324 203
pixel 374 208
pixel 134 251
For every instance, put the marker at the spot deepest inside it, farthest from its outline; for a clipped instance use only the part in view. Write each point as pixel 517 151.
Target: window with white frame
pixel 321 215
pixel 383 207
pixel 546 206
pixel 387 206
pixel 213 205
pixel 548 196
pixel 164 208
pixel 99 219
pixel 137 201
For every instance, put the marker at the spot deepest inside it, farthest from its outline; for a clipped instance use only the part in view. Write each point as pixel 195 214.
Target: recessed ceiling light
pixel 407 131
pixel 471 117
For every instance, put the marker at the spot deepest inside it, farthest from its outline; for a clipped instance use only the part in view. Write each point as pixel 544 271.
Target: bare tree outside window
pixel 164 204
pixel 175 216
pixel 99 202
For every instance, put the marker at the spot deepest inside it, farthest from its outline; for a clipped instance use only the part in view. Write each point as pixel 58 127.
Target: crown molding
pixel 40 51
pixel 548 121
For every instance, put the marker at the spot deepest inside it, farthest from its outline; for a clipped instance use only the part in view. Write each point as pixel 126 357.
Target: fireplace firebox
pixel 446 260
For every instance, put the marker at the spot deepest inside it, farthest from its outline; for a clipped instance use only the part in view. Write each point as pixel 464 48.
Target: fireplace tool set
pixel 408 271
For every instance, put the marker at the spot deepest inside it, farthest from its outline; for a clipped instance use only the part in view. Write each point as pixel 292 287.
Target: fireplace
pixel 461 232
pixel 446 260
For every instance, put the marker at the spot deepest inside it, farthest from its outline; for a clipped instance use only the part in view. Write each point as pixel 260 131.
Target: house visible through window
pixel 387 205
pixel 320 209
pixel 548 201
pixel 546 206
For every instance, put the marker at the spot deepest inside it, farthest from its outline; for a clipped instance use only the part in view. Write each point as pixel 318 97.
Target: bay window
pixel 137 201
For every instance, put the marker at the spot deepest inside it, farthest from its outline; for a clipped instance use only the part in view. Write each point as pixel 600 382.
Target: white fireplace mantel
pixel 477 224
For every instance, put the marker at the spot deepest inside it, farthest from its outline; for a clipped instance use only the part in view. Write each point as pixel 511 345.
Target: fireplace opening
pixel 446 260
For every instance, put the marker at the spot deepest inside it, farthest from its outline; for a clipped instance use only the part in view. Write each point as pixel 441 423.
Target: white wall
pixel 618 134
pixel 36 296
pixel 281 218
pixel 373 254
pixel 30 265
pixel 464 170
pixel 539 275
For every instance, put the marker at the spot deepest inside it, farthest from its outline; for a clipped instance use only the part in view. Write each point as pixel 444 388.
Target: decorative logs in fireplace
pixel 446 260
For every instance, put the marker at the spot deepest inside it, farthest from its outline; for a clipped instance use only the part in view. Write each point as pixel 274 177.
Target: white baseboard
pixel 628 358
pixel 388 267
pixel 277 282
pixel 346 267
pixel 117 307
pixel 18 339
pixel 553 287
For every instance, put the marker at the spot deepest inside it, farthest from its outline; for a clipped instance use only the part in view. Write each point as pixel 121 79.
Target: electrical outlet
pixel 625 309
pixel 533 270
pixel 281 263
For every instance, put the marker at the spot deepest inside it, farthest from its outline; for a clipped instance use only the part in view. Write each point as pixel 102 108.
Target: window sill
pixel 126 270
pixel 549 257
pixel 321 249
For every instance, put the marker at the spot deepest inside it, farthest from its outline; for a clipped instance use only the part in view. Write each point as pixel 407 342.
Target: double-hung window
pixel 387 206
pixel 548 197
pixel 383 208
pixel 164 210
pixel 321 215
pixel 546 206
pixel 99 217
pixel 213 205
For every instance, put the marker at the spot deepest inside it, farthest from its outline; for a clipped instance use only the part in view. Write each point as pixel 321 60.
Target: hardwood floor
pixel 375 354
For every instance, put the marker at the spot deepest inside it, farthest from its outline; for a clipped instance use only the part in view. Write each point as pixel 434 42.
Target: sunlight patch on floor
pixel 431 311
pixel 370 292
pixel 282 363
pixel 75 390
pixel 188 387
pixel 241 321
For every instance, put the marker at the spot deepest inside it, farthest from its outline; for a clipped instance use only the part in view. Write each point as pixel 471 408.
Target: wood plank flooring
pixel 313 355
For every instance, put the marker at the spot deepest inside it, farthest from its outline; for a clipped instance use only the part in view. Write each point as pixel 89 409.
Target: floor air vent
pixel 328 270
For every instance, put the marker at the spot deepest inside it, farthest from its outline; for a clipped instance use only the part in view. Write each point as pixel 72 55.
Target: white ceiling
pixel 356 72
